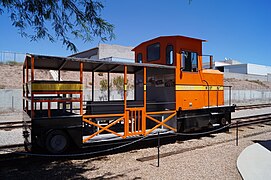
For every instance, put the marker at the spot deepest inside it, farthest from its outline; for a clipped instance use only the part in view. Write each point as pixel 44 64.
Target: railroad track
pixel 254 106
pixel 12 146
pixel 250 120
pixel 19 124
pixel 11 125
pixel 242 121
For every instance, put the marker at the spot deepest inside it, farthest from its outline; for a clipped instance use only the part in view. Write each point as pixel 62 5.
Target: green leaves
pixel 63 20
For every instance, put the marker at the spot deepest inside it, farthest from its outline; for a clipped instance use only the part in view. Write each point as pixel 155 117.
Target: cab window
pixel 153 52
pixel 189 61
pixel 169 55
pixel 139 58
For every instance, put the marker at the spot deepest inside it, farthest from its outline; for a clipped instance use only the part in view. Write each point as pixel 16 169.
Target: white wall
pixel 258 69
pixel 239 68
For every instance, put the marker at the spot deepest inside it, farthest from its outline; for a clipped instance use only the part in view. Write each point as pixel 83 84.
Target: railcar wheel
pixel 57 142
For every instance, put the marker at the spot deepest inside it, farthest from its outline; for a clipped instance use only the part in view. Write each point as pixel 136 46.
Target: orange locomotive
pixel 172 93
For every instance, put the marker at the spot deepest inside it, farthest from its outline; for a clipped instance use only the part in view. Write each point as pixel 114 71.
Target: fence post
pixel 158 149
pixel 12 103
pixel 237 132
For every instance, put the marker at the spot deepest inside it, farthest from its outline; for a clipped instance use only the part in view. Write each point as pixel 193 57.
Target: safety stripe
pixel 145 87
pixel 197 88
pixel 56 87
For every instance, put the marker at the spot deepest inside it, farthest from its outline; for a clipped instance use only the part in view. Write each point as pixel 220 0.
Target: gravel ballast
pixel 217 161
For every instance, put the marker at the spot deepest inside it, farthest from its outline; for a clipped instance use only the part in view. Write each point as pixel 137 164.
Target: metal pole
pixel 217 97
pixel 230 96
pixel 211 62
pixel 158 150
pixel 237 133
pixel 92 85
pixel 12 103
pixel 108 86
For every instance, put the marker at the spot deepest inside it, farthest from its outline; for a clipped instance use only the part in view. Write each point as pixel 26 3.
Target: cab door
pixel 189 84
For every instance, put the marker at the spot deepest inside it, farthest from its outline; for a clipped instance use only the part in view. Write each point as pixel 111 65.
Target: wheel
pixel 57 141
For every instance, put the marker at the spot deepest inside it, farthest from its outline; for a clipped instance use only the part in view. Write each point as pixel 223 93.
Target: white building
pixel 233 66
pixel 109 53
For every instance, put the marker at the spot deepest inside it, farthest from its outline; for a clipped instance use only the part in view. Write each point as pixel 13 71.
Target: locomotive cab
pixel 198 92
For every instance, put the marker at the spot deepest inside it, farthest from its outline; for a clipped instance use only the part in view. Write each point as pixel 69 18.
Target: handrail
pixel 210 61
pixel 208 92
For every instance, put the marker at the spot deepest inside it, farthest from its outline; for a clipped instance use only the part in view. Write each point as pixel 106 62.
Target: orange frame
pixel 134 118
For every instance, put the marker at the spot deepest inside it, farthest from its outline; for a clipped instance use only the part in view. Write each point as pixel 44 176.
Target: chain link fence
pixel 7 57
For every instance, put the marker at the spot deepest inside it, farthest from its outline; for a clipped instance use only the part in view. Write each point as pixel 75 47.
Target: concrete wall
pixel 90 54
pixel 10 99
pixel 103 96
pixel 107 50
pixel 247 76
pixel 114 59
pixel 243 97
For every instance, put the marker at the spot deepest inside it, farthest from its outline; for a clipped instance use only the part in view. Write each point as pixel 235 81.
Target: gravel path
pixel 11 116
pixel 217 161
pixel 8 136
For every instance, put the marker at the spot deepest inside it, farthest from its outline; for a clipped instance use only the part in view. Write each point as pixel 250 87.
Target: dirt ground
pixel 212 157
pixel 11 78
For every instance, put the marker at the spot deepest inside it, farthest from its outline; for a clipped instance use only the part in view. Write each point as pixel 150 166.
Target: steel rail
pixel 12 146
pixel 253 106
pixel 12 124
pixel 251 120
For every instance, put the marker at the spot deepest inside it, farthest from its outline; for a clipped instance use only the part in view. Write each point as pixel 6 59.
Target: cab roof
pixel 178 37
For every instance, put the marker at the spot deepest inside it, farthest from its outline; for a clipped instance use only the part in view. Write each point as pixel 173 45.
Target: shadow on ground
pixel 48 168
pixel 41 168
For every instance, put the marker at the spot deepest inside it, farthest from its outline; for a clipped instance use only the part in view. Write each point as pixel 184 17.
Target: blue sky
pixel 235 29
